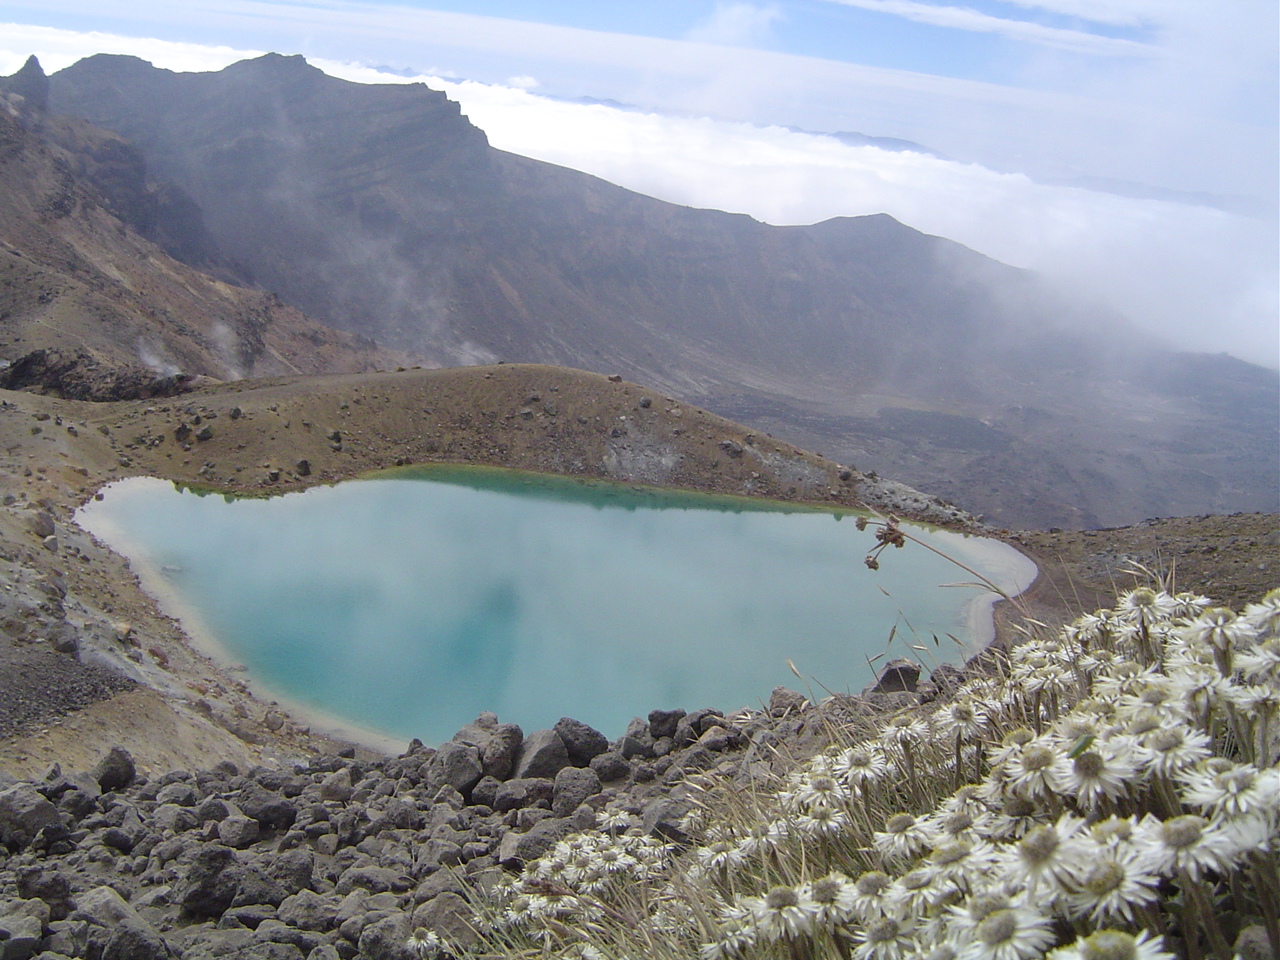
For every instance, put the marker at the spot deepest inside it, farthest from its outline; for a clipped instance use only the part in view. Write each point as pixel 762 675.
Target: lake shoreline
pixel 1011 569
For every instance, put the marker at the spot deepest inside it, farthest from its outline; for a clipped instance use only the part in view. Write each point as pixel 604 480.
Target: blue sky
pixel 1020 97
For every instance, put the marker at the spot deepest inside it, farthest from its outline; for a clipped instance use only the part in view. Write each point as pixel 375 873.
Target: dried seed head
pixel 1109 945
pixel 1182 832
pixel 900 823
pixel 1039 845
pixel 779 898
pixel 1089 765
pixel 997 927
pixel 872 883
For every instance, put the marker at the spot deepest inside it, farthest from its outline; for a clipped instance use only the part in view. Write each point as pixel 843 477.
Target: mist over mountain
pixel 81 274
pixel 383 211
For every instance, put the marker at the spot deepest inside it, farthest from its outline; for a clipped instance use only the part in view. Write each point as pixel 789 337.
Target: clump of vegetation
pixel 1112 793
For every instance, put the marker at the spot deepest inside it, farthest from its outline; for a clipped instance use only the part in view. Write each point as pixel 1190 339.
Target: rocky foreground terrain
pixel 340 857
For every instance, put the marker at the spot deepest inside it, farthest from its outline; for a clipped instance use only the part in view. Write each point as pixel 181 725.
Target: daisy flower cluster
pixel 1111 793
pixel 588 882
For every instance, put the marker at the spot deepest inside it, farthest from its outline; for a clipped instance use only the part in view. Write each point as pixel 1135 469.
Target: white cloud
pixel 736 25
pixel 58 49
pixel 966 18
pixel 1202 278
pixel 1117 13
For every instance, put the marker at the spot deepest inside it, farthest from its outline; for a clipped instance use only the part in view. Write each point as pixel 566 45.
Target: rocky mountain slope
pixel 79 275
pixel 382 210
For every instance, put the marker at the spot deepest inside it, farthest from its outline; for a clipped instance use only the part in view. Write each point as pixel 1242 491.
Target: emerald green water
pixel 411 602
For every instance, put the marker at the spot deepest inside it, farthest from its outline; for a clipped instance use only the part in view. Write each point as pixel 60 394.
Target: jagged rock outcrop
pixel 82 376
pixel 30 83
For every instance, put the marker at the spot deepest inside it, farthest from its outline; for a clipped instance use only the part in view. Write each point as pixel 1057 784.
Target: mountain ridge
pixel 381 209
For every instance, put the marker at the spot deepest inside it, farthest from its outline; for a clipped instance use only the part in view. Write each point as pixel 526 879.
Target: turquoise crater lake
pixel 410 602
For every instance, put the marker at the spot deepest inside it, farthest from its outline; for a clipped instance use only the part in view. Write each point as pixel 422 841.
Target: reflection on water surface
pixel 413 602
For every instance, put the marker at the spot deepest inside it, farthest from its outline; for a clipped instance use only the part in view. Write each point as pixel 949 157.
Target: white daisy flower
pixel 1099 775
pixel 833 897
pixel 821 821
pixel 888 938
pixel 860 765
pixel 968 799
pixel 1189 605
pixel 737 935
pixel 1113 945
pixel 615 820
pixel 426 943
pixel 868 900
pixel 781 914
pixel 1040 770
pixel 816 790
pixel 1111 832
pixel 1144 605
pixel 1260 663
pixel 1169 751
pixel 963 863
pixel 1155 692
pixel 944 827
pixel 764 835
pixel 916 893
pixel 1017 817
pixel 1113 884
pixel 905 728
pixel 719 857
pixel 1047 676
pixel 1046 857
pixel 1258 701
pixel 1218 628
pixel 966 719
pixel 1188 844
pixel 1009 933
pixel 1264 616
pixel 1011 744
pixel 1229 789
pixel 903 838
pixel 1201 687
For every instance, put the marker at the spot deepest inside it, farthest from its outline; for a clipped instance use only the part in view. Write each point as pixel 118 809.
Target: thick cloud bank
pixel 1193 274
